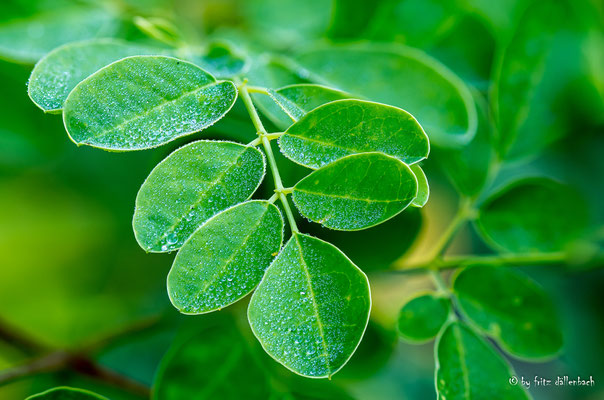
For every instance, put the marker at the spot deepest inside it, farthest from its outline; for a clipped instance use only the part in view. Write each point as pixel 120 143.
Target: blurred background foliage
pixel 71 271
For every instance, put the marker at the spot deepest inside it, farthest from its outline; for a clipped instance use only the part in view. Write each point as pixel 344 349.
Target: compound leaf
pixel 66 393
pixel 346 127
pixel 536 214
pixel 191 185
pixel 225 259
pixel 142 102
pixel 423 189
pixel 28 40
pixel 511 308
pixel 55 75
pixel 422 317
pixel 311 308
pixel 469 368
pixel 401 76
pixel 298 100
pixel 356 192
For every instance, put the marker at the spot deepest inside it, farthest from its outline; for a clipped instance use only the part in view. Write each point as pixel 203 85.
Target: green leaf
pixel 225 259
pixel 346 127
pixel 401 76
pixel 536 214
pixel 298 100
pixel 221 60
pixel 511 308
pixel 311 308
pixel 63 68
pixel 423 189
pixel 28 40
pixel 356 192
pixel 66 393
pixel 191 185
pixel 469 368
pixel 142 102
pixel 422 317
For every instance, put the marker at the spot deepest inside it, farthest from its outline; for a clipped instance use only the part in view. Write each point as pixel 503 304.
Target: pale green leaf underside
pixel 401 76
pixel 423 189
pixel 28 40
pixel 191 185
pixel 422 317
pixel 511 308
pixel 66 393
pixel 311 308
pixel 62 69
pixel 142 102
pixel 536 214
pixel 356 192
pixel 225 259
pixel 346 127
pixel 298 100
pixel 468 368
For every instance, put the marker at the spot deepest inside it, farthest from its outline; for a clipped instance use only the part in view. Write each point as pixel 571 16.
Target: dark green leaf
pixel 404 77
pixel 311 308
pixel 346 127
pixel 356 192
pixel 423 189
pixel 225 259
pixel 221 60
pixel 191 185
pixel 511 308
pixel 63 68
pixel 298 100
pixel 66 393
pixel 142 102
pixel 422 317
pixel 533 215
pixel 468 368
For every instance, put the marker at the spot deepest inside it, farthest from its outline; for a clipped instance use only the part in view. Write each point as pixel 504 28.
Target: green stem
pixel 461 217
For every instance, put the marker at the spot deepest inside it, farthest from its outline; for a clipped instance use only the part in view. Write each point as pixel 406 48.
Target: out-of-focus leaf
pixel 221 59
pixel 469 368
pixel 62 69
pixel 350 18
pixel 225 259
pixel 311 308
pixel 403 77
pixel 191 185
pixel 356 192
pixel 422 317
pixel 423 189
pixel 511 308
pixel 142 102
pixel 66 393
pixel 346 127
pixel 298 100
pixel 536 214
pixel 30 39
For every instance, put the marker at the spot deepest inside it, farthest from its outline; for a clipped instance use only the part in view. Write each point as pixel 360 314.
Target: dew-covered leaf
pixel 422 317
pixel 510 308
pixel 225 259
pixel 191 185
pixel 423 188
pixel 142 102
pixel 63 68
pixel 298 100
pixel 403 77
pixel 28 40
pixel 356 192
pixel 66 393
pixel 220 59
pixel 311 308
pixel 468 368
pixel 345 127
pixel 536 214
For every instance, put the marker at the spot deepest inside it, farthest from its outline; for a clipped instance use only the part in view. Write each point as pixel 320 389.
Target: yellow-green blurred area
pixel 71 271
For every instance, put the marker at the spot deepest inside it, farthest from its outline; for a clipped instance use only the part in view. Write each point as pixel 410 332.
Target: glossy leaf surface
pixel 312 307
pixel 191 185
pixel 298 100
pixel 469 368
pixel 422 317
pixel 225 259
pixel 511 308
pixel 66 393
pixel 356 192
pixel 142 102
pixel 346 127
